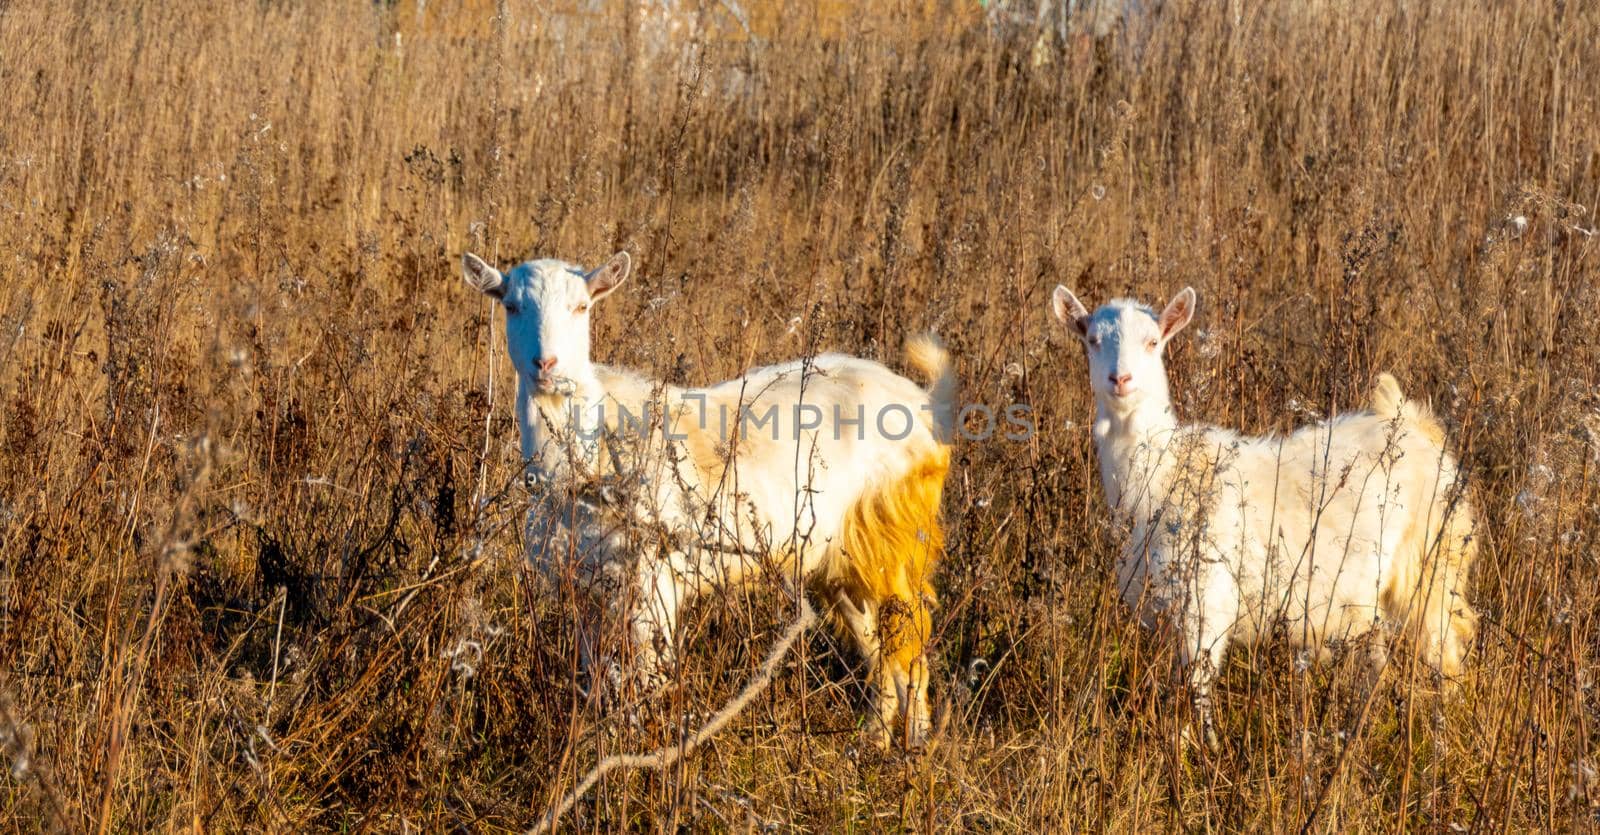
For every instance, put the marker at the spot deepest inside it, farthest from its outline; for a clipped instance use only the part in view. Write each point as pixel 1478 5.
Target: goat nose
pixel 547 364
pixel 1120 379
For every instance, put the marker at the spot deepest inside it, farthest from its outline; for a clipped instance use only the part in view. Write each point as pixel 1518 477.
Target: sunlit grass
pixel 241 224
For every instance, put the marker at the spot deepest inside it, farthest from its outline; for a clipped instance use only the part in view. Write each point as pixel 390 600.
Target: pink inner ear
pixel 1173 317
pixel 606 279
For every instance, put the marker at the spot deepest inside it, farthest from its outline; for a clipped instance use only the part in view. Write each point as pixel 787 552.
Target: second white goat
pixel 1335 530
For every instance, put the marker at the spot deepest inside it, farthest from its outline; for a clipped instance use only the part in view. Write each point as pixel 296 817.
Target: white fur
pixel 1232 536
pixel 786 495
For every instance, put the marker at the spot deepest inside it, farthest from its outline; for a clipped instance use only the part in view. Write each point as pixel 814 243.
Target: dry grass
pixel 260 567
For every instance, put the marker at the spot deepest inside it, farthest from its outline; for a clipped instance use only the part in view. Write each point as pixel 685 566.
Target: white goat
pixel 829 470
pixel 1351 524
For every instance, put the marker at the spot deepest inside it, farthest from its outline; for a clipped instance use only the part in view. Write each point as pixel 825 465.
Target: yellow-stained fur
pixel 889 542
pixel 878 572
pixel 878 576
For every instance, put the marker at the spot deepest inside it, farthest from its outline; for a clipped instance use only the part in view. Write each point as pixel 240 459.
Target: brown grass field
pixel 260 545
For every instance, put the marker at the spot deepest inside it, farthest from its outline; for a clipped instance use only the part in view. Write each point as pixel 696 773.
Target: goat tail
pixel 1390 403
pixel 1387 399
pixel 928 356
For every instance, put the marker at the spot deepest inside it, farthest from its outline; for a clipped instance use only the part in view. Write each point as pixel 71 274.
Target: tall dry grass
pixel 261 563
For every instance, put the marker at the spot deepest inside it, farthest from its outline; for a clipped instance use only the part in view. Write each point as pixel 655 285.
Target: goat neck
pixel 560 431
pixel 1131 441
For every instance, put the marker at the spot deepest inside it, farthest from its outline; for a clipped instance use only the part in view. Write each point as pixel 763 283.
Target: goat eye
pixel 1151 344
pixel 580 309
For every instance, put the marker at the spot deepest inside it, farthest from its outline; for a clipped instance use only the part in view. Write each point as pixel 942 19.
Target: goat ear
pixel 1069 310
pixel 604 280
pixel 1178 313
pixel 482 277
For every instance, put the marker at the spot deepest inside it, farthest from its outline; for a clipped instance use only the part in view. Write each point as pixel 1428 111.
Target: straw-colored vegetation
pixel 260 540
